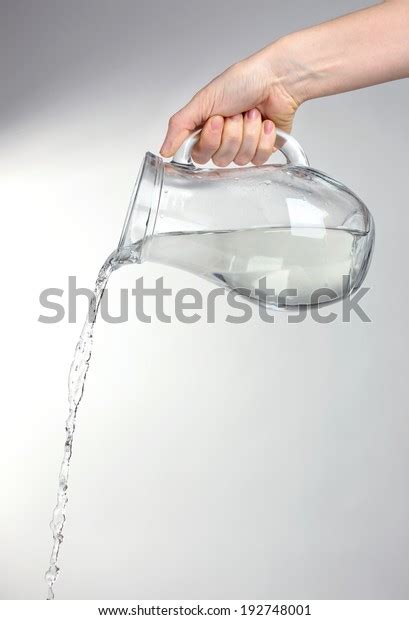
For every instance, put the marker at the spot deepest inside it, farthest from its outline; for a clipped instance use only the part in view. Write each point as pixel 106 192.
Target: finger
pixel 251 134
pixel 231 140
pixel 177 132
pixel 209 141
pixel 266 143
pixel 186 120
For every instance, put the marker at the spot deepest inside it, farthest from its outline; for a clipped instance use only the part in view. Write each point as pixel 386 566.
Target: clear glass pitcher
pixel 285 235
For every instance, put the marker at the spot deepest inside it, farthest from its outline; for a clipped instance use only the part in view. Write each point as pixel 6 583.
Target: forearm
pixel 357 50
pixel 238 110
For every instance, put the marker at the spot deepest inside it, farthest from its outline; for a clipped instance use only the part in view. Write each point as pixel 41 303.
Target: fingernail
pixel 268 127
pixel 252 114
pixel 216 123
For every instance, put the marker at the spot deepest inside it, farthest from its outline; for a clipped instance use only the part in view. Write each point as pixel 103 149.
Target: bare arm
pixel 240 108
pixel 354 51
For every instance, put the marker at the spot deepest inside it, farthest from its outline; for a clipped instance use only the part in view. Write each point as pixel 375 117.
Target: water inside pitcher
pixel 284 235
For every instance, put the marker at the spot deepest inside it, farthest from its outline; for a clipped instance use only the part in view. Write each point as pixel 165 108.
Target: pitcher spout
pixel 143 208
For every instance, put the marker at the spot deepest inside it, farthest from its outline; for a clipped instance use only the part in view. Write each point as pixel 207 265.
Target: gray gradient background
pixel 211 461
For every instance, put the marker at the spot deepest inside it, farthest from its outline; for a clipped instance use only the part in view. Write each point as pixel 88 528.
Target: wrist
pixel 290 70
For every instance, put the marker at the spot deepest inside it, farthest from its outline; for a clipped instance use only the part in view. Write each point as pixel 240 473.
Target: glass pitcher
pixel 284 235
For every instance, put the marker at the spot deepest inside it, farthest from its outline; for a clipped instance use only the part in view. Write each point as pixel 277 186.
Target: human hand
pixel 238 112
pixel 240 109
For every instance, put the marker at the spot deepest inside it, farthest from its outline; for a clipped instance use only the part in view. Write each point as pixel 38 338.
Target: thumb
pixel 190 117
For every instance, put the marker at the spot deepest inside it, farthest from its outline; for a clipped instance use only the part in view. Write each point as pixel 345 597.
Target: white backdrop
pixel 211 461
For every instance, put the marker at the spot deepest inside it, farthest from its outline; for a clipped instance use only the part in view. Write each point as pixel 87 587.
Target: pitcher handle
pixel 289 147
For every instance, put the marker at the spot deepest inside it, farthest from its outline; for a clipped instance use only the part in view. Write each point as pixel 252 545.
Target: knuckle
pixel 259 160
pixel 202 155
pixel 221 161
pixel 201 159
pixel 232 142
pixel 213 143
pixel 244 157
pixel 262 153
pixel 252 126
pixel 174 120
pixel 210 146
pixel 241 160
